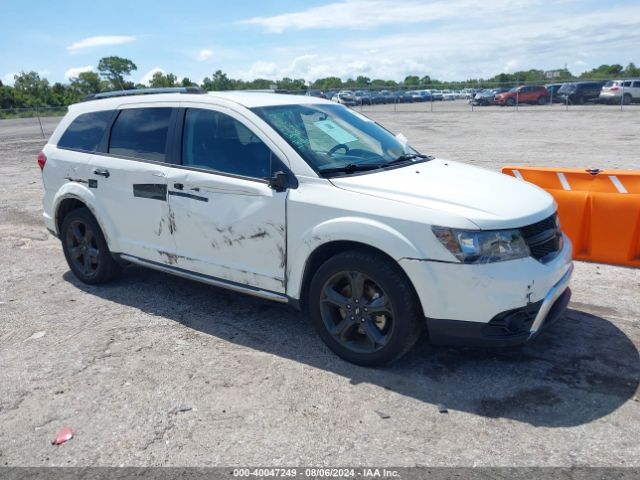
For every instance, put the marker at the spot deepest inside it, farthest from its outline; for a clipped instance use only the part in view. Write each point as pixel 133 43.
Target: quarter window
pixel 141 133
pixel 216 141
pixel 86 131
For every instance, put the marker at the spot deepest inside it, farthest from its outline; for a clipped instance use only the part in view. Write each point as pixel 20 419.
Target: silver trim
pixel 551 296
pixel 210 281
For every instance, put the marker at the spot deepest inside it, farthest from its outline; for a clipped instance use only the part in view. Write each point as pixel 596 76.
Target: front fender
pixel 353 229
pixel 85 195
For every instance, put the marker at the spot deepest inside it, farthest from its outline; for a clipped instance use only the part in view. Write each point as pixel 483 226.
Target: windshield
pixel 332 137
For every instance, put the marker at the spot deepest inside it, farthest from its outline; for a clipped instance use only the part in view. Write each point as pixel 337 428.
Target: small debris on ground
pixel 181 409
pixel 37 335
pixel 382 414
pixel 63 436
pixel 442 409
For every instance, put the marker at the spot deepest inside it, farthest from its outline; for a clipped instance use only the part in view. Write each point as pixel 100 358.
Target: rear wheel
pixel 364 308
pixel 626 99
pixel 86 249
pixel 542 100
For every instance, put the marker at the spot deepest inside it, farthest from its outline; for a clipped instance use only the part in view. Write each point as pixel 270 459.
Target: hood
pixel 489 199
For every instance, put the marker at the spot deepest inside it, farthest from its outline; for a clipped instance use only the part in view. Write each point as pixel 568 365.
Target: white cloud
pixel 146 78
pixel 204 55
pixel 75 71
pixel 100 41
pixel 8 79
pixel 367 14
pixel 468 46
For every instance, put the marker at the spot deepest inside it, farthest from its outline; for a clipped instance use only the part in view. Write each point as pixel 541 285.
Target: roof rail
pixel 143 91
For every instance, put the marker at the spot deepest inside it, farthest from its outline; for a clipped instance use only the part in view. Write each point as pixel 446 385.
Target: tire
pixel 580 100
pixel 510 102
pixel 85 248
pixel 542 100
pixel 626 100
pixel 364 338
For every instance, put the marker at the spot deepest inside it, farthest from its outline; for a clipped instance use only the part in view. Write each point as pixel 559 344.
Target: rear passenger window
pixel 86 131
pixel 636 84
pixel 141 133
pixel 216 141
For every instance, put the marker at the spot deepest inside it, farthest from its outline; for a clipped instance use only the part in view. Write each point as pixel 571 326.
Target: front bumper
pixel 513 327
pixel 481 303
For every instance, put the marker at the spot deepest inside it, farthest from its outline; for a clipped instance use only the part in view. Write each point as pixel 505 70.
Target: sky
pixel 390 39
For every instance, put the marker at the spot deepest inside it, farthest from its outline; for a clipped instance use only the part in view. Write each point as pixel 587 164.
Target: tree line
pixel 30 90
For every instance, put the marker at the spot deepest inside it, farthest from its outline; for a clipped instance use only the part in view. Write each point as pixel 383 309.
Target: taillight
pixel 614 89
pixel 42 159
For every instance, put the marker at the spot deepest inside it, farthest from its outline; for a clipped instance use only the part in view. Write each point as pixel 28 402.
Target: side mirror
pixel 279 181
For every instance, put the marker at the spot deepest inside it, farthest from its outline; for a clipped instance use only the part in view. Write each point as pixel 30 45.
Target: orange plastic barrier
pixel 599 210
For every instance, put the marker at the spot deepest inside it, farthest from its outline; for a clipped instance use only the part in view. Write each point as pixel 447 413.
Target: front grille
pixel 543 238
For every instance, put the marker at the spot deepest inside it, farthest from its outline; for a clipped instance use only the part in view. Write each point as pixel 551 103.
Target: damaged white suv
pixel 302 201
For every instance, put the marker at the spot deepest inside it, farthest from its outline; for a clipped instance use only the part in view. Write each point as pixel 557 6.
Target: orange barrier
pixel 599 210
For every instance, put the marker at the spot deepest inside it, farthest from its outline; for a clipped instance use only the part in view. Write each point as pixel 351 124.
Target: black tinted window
pixel 141 133
pixel 636 84
pixel 86 131
pixel 218 142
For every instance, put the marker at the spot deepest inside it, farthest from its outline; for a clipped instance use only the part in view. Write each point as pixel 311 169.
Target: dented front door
pixel 228 228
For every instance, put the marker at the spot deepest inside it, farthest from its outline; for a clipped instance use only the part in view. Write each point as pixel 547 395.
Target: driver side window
pixel 215 141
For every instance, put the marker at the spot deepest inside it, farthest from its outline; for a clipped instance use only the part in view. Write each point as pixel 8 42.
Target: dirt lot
pixel 156 370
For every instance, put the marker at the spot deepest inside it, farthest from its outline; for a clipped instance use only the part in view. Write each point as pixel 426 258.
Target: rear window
pixel 86 131
pixel 141 133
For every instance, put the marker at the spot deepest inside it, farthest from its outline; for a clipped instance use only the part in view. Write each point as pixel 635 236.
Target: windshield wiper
pixel 352 167
pixel 407 157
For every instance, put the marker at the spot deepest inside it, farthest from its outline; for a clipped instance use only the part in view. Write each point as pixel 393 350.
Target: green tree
pixel 291 85
pixel 86 83
pixel 161 80
pixel 411 81
pixel 218 82
pixel 30 89
pixel 114 69
pixel 186 82
pixel 631 71
pixel 328 83
pixel 363 81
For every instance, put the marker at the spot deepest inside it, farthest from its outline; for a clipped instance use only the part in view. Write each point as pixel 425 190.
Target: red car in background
pixel 533 94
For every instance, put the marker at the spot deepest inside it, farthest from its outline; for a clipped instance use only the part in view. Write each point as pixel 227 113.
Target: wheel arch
pixel 332 248
pixel 74 196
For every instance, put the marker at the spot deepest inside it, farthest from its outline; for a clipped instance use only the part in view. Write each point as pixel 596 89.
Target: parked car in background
pixel 553 88
pixel 426 95
pixel 532 94
pixel 315 93
pixel 345 97
pixel 362 97
pixel 448 95
pixel 625 91
pixel 579 92
pixel 436 95
pixel 487 97
pixel 416 96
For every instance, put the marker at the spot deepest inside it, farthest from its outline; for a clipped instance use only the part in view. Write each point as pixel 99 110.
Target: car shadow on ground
pixel 578 370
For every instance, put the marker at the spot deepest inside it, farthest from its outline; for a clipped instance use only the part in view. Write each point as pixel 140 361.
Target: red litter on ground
pixel 63 436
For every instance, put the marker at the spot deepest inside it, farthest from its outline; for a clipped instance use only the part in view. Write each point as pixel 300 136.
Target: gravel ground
pixel 157 370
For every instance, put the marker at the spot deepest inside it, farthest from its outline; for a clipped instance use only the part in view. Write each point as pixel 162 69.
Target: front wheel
pixel 511 102
pixel 626 99
pixel 364 308
pixel 542 100
pixel 85 248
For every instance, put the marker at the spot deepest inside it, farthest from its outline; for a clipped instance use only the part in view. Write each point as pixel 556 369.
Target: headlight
pixel 477 246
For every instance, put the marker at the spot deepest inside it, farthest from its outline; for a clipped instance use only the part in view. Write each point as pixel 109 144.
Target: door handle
pixel 178 186
pixel 159 174
pixel 103 172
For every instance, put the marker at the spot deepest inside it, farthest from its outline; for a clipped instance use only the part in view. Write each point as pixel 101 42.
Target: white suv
pixel 302 201
pixel 615 91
